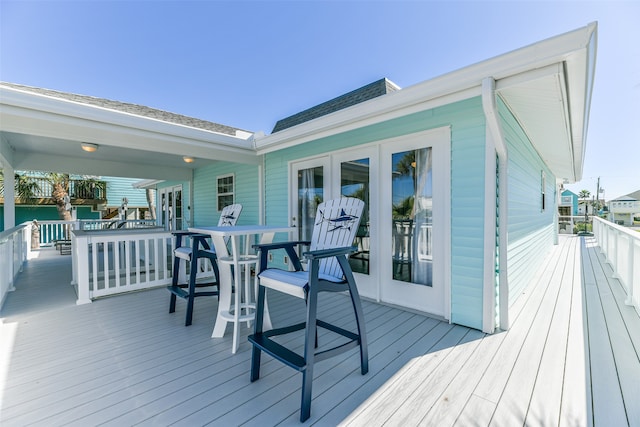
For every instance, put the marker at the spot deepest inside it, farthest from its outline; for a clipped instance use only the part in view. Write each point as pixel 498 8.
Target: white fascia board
pixel 447 88
pixel 20 104
pixel 147 183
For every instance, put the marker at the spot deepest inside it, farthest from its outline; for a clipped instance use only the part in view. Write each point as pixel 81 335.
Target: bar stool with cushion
pixel 335 228
pixel 199 251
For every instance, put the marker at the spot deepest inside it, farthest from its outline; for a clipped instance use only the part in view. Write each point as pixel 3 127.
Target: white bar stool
pixel 243 308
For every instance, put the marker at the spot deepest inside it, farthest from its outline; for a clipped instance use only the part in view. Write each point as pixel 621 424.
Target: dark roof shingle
pixel 138 110
pixel 365 93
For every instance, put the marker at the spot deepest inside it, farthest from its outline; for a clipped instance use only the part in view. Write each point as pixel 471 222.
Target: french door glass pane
pixel 412 216
pixel 310 195
pixel 354 182
pixel 178 209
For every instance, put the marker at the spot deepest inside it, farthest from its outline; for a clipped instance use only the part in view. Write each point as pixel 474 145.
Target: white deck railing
pixel 14 250
pixel 53 230
pixel 109 262
pixel 621 248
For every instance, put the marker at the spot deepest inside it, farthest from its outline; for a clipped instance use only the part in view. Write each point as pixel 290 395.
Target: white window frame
pixel 232 193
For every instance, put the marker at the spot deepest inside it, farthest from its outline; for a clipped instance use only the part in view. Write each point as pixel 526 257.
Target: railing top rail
pixel 631 233
pixel 120 232
pixel 4 235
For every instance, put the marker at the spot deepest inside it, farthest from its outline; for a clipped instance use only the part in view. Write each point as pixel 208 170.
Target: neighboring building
pixel 105 205
pixel 568 204
pixel 567 209
pixel 460 173
pixel 120 191
pixel 625 210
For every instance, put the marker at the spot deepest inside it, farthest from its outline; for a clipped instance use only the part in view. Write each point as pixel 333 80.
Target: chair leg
pixel 174 282
pixel 256 352
pixel 192 291
pixel 357 308
pixel 172 304
pixel 310 343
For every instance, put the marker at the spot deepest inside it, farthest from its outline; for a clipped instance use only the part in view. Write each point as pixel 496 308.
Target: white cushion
pixel 290 282
pixel 183 252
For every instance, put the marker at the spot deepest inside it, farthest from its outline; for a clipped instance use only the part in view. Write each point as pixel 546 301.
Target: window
pixel 225 191
pixel 543 184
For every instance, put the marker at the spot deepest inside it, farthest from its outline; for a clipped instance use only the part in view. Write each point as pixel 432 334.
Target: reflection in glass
pixel 310 195
pixel 178 209
pixel 412 217
pixel 354 182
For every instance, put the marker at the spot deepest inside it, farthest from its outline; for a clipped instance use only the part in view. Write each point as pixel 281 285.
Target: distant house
pixel 105 205
pixel 625 210
pixel 460 173
pixel 568 203
pixel 567 209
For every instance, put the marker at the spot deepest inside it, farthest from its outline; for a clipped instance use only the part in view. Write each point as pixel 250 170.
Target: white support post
pixel 81 254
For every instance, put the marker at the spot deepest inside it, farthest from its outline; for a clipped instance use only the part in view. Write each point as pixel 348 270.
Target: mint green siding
pixel 467 214
pixel 246 181
pixel 117 188
pixel 467 157
pixel 45 213
pixel 530 228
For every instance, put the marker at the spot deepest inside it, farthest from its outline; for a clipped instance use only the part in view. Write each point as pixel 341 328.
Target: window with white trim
pixel 225 191
pixel 543 184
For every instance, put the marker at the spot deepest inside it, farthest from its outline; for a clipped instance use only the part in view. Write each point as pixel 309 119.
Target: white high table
pixel 237 259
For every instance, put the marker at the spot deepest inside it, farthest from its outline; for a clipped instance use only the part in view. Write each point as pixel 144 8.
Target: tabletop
pixel 237 230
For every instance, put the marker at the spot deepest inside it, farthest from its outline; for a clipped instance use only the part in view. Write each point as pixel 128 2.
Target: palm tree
pixel 25 187
pixel 60 193
pixel 584 194
pixel 60 190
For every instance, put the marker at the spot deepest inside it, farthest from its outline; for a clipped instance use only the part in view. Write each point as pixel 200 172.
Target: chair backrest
pixel 336 226
pixel 229 215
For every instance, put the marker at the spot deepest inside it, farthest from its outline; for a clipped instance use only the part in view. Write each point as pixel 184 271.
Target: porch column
pixel 9 196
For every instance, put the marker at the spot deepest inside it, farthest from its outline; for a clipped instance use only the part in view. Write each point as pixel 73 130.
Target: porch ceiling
pixel 39 132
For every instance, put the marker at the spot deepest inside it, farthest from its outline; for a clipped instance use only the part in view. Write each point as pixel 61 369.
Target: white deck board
pixel 570 358
pixel 625 356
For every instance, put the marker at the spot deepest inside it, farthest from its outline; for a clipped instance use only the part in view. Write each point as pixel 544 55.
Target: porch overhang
pixel 547 86
pixel 40 132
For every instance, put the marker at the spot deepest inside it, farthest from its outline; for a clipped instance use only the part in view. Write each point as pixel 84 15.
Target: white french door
pixel 310 186
pixel 355 174
pixel 403 244
pixel 171 207
pixel 415 221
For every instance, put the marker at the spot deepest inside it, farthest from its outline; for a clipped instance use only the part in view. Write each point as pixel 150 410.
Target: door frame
pixel 330 160
pixel 164 211
pixel 440 141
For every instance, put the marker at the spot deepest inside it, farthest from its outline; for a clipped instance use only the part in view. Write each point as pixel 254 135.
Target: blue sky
pixel 248 64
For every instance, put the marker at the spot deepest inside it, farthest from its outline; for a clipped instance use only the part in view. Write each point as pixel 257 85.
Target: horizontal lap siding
pixel 467 181
pixel 117 188
pixel 530 229
pixel 205 192
pixel 467 215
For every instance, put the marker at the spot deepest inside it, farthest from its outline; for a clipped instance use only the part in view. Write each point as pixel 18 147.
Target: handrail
pixel 114 261
pixel 14 249
pixel 621 248
pixel 53 230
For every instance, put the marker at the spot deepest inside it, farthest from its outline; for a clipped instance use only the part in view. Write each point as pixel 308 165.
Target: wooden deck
pixel 571 358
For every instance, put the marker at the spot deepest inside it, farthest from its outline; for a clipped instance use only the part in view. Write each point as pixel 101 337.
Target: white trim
pixel 147 183
pixel 495 144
